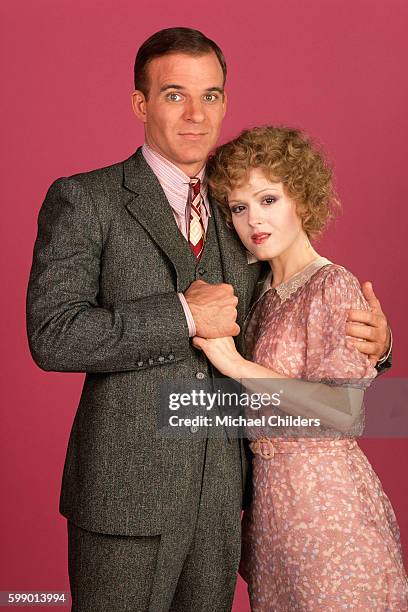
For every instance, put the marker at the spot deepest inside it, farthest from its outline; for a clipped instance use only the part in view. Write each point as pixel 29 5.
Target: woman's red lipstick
pixel 259 238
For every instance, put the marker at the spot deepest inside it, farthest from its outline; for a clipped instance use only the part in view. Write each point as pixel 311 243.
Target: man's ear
pixel 139 105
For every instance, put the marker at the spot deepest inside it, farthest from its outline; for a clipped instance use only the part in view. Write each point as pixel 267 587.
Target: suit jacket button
pixel 171 357
pixel 194 429
pixel 151 361
pixel 200 375
pixel 140 363
pixel 161 358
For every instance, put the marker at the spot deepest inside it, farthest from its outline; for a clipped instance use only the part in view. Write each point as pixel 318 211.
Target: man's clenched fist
pixel 213 308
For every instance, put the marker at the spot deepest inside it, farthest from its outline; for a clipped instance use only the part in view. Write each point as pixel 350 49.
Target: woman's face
pixel 264 217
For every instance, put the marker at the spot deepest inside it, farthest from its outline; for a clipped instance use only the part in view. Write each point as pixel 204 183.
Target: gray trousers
pixel 191 567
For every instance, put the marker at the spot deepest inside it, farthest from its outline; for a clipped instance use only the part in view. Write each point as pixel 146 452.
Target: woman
pixel 320 533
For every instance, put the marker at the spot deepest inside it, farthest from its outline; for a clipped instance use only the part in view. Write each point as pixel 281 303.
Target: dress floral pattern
pixel 321 534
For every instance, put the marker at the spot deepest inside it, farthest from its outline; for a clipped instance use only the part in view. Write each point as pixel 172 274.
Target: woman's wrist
pixel 239 368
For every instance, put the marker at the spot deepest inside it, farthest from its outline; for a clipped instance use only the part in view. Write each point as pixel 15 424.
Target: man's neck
pixel 189 170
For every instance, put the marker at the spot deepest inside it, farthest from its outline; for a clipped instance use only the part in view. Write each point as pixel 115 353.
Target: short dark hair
pixel 173 40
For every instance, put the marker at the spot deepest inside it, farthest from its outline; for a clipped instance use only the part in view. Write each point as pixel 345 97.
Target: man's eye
pixel 174 97
pixel 210 97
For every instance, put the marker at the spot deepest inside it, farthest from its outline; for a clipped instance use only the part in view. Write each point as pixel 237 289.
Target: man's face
pixel 185 108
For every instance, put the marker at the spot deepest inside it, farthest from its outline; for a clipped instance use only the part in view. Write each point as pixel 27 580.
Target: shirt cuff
pixel 387 354
pixel 189 316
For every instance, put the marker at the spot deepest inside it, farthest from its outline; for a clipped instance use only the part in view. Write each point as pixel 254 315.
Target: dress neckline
pixel 287 288
pixel 292 284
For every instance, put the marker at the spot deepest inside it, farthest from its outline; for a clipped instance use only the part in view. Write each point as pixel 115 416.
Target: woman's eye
pixel 269 199
pixel 237 209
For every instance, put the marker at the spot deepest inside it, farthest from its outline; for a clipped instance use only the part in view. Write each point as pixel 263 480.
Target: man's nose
pixel 193 111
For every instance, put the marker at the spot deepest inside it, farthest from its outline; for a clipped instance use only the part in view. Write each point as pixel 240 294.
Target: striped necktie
pixel 196 228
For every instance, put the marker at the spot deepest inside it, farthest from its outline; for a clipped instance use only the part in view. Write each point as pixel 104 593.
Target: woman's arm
pixel 337 407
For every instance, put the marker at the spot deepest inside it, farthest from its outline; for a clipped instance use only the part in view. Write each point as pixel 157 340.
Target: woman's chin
pixel 264 254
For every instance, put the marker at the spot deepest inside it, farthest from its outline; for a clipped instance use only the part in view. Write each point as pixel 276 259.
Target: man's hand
pixel 213 308
pixel 369 328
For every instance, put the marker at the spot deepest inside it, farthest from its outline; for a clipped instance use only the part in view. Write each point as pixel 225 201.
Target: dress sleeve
pixel 328 358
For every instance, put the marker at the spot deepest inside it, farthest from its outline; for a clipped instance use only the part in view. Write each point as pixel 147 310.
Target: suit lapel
pixel 149 206
pixel 236 269
pixel 152 210
pixel 233 259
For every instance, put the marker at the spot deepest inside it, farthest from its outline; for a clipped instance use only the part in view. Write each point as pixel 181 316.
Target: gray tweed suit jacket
pixel 102 299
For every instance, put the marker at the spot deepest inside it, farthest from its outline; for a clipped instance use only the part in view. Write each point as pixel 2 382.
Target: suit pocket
pixel 113 477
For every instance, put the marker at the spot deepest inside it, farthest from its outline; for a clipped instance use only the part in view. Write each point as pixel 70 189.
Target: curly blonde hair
pixel 284 155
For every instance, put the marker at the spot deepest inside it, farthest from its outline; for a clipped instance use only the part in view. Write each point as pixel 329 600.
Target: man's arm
pixel 67 328
pixel 370 332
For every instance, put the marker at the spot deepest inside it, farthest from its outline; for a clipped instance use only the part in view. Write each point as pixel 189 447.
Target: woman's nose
pixel 255 217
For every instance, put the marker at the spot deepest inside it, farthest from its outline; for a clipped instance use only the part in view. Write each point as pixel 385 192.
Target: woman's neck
pixel 299 255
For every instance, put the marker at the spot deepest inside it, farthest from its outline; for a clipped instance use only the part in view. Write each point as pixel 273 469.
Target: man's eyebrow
pixel 167 86
pixel 218 89
pixel 171 86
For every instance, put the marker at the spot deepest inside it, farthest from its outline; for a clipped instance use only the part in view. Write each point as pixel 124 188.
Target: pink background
pixel 335 68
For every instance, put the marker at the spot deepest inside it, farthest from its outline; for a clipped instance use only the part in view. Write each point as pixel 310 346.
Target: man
pixel 130 262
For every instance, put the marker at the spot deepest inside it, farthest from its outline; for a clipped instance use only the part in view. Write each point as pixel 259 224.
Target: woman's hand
pixel 222 354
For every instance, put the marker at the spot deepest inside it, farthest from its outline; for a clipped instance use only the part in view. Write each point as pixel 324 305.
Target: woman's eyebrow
pixel 257 193
pixel 267 189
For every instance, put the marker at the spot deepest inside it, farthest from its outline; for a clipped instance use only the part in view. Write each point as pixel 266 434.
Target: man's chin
pixel 193 156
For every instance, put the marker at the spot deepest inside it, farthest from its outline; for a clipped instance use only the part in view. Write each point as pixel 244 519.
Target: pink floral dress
pixel 321 534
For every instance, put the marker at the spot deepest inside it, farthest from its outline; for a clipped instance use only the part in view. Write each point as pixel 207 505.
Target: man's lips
pixel 260 237
pixel 192 135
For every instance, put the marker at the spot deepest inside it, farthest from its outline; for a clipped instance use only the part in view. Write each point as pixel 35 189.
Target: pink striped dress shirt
pixel 175 185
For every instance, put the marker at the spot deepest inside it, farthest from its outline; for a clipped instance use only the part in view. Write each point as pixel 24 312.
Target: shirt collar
pixel 174 181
